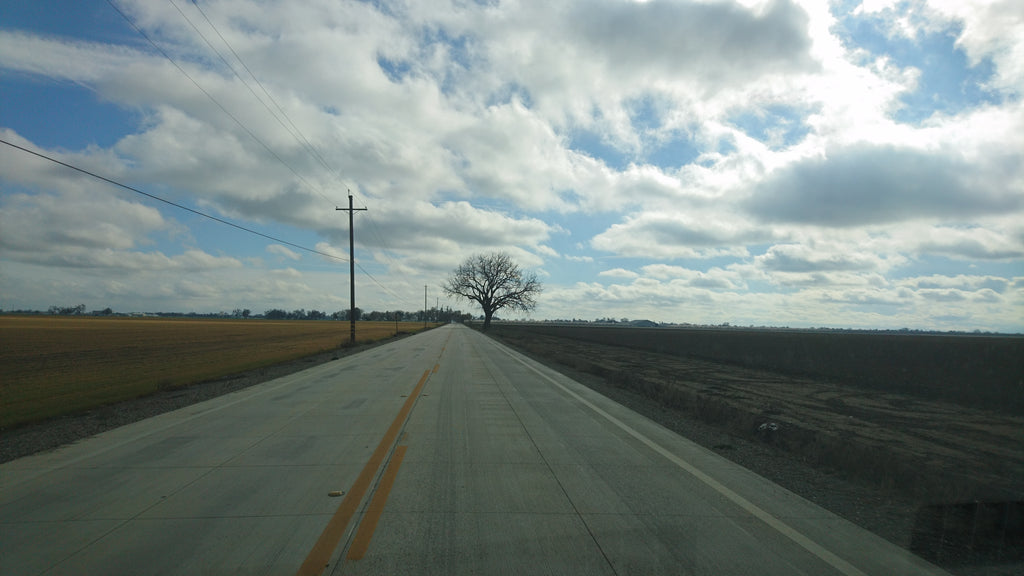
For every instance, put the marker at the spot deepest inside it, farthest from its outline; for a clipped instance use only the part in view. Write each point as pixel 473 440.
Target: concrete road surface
pixel 443 453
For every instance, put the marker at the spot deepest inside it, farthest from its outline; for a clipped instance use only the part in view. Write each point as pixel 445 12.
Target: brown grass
pixel 55 365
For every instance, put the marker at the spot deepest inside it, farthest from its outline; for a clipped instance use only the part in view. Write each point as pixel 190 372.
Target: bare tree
pixel 494 281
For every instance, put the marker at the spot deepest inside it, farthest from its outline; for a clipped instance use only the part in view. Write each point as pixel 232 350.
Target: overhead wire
pixel 378 283
pixel 294 131
pixel 380 238
pixel 175 204
pixel 210 96
pixel 300 136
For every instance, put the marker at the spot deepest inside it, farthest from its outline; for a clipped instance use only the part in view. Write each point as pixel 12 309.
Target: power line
pixel 384 287
pixel 293 131
pixel 381 239
pixel 297 133
pixel 394 295
pixel 224 60
pixel 176 205
pixel 214 100
pixel 301 137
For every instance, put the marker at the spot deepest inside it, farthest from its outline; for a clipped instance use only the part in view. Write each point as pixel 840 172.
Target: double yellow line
pixel 319 557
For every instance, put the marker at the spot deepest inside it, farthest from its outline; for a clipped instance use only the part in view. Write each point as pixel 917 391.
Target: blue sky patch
pixel 778 126
pixel 596 146
pixel 644 114
pixel 396 70
pixel 509 92
pixel 90 21
pixel 61 114
pixel 673 154
pixel 457 49
pixel 948 84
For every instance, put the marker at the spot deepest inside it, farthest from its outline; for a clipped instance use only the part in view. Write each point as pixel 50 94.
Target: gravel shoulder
pixel 50 434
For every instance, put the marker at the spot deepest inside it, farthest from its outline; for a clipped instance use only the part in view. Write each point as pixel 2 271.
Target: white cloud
pixel 286 273
pixel 283 251
pixel 618 273
pixel 61 59
pixel 547 251
pixel 706 42
pixel 681 235
pixel 959 282
pixel 752 136
pixel 713 279
pixel 587 259
pixel 453 228
pixel 993 242
pixel 985 29
pixel 46 222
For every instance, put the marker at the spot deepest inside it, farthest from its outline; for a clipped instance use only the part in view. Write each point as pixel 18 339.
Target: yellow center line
pixel 380 498
pixel 320 555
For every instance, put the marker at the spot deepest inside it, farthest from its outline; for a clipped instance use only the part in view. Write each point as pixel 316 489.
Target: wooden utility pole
pixel 351 268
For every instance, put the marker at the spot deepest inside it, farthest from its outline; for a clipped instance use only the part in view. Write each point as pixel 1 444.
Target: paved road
pixel 454 456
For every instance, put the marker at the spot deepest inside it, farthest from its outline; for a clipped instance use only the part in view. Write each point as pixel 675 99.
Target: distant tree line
pixel 431 315
pixel 67 310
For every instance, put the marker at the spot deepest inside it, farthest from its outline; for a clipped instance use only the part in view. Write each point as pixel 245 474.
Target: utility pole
pixel 351 268
pixel 424 306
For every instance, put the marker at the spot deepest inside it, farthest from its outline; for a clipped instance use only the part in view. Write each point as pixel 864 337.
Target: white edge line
pixel 785 529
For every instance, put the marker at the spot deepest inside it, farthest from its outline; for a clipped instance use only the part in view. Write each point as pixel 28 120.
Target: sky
pixel 795 163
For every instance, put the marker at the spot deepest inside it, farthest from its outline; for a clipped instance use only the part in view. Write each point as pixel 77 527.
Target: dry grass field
pixel 55 365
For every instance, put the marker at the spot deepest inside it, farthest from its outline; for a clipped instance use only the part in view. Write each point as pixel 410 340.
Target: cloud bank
pixel 757 162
